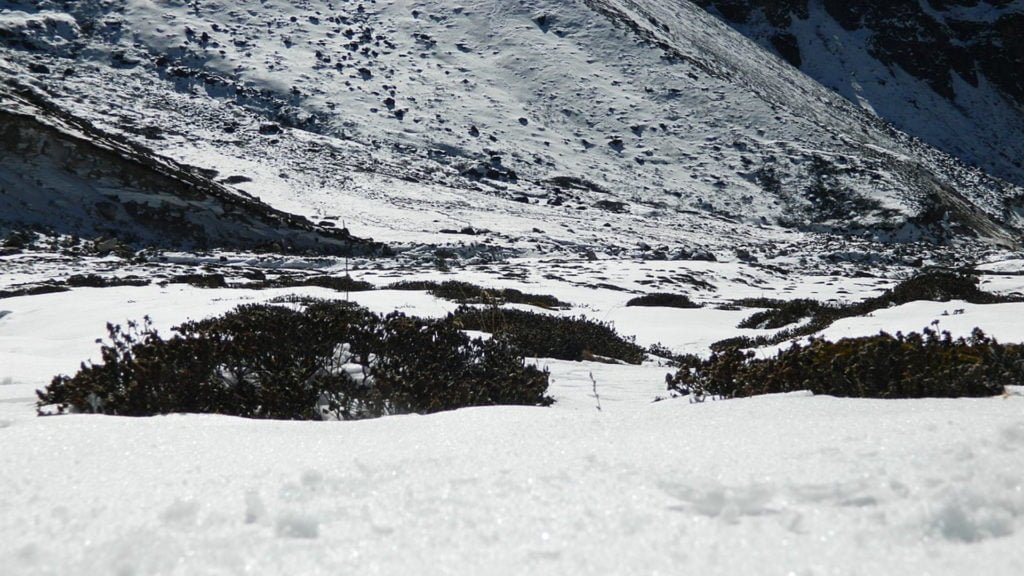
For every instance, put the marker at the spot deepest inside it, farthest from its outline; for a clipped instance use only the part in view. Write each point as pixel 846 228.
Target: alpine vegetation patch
pixel 662 299
pixel 311 360
pixel 932 285
pixel 929 364
pixel 549 336
pixel 467 293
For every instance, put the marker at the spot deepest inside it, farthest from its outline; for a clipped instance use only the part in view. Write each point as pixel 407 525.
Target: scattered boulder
pixel 270 129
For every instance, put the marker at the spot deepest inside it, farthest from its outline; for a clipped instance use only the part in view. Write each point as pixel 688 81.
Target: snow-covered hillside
pixel 946 72
pixel 178 158
pixel 621 121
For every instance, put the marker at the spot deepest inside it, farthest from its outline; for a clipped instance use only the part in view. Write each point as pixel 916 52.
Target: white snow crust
pixel 786 484
pixel 654 105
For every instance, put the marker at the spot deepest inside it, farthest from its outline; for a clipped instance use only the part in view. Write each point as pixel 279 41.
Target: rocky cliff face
pixel 969 53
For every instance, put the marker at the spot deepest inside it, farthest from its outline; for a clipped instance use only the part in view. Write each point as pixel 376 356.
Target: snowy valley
pixel 176 159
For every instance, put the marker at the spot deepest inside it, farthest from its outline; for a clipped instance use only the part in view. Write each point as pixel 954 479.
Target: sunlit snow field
pixel 644 142
pixel 790 484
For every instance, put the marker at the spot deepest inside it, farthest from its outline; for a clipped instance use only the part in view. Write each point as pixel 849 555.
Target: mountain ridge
pixel 412 105
pixel 944 71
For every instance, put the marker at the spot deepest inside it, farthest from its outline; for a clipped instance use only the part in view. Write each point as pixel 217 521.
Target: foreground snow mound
pixel 767 485
pixel 775 485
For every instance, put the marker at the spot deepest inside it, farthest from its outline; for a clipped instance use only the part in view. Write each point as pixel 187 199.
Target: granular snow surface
pixel 593 150
pixel 787 484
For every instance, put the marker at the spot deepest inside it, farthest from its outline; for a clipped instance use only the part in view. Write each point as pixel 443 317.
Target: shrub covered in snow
pixel 883 366
pixel 549 336
pixel 320 360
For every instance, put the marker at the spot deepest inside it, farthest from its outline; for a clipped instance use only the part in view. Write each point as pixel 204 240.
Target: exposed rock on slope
pixel 60 174
pixel 946 71
pixel 614 122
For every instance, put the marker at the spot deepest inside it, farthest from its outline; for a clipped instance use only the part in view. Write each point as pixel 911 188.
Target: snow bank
pixel 769 485
pixel 772 485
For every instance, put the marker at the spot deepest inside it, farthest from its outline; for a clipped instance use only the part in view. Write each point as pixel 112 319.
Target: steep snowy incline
pixel 618 120
pixel 946 72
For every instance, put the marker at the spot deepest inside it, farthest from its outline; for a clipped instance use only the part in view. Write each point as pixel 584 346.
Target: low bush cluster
pixel 201 280
pixel 779 313
pixel 548 336
pixel 934 285
pixel 32 290
pixel 467 293
pixel 311 361
pixel 97 281
pixel 663 299
pixel 344 283
pixel 929 364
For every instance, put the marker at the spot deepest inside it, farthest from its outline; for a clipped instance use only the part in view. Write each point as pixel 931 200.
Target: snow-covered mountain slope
pixel 551 125
pixel 947 72
pixel 66 176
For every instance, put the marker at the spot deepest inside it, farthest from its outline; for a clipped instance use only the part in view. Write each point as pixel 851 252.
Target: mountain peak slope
pixel 620 119
pixel 947 72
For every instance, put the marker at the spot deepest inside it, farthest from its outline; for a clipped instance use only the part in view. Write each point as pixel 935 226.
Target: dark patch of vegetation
pixel 662 351
pixel 320 360
pixel 97 281
pixel 780 313
pixel 338 283
pixel 466 293
pixel 663 299
pixel 201 280
pixel 18 239
pixel 33 290
pixel 883 366
pixel 934 285
pixel 547 336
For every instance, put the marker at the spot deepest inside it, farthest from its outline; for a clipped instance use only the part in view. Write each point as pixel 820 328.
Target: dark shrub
pixel 663 299
pixel 780 313
pixel 466 293
pixel 32 290
pixel 939 286
pixel 97 281
pixel 344 283
pixel 201 280
pixel 548 336
pixel 18 239
pixel 426 366
pixel 883 366
pixel 327 359
pixel 934 285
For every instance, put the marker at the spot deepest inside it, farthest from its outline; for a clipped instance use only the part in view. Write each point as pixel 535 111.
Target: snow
pixel 843 61
pixel 1001 321
pixel 779 485
pixel 607 480
pixel 783 484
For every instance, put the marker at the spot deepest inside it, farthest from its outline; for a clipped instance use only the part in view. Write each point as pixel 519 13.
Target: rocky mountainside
pixel 946 71
pixel 514 126
pixel 66 176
